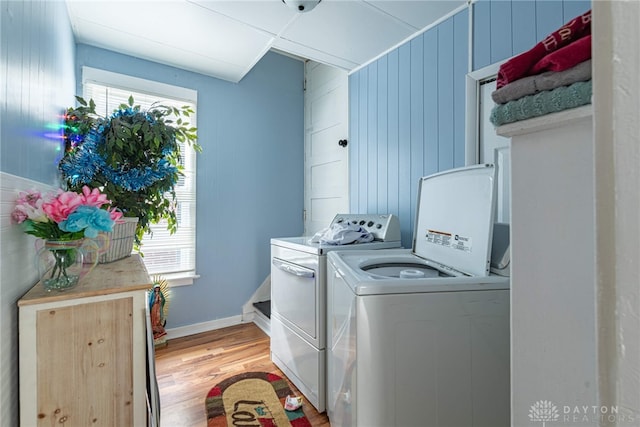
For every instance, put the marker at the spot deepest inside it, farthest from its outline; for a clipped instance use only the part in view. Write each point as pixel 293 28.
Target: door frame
pixel 472 127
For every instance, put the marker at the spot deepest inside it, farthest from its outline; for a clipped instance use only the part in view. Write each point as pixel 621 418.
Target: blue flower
pixel 88 218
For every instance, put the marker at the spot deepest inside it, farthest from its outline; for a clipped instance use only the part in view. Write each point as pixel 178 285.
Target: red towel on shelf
pixel 519 66
pixel 566 57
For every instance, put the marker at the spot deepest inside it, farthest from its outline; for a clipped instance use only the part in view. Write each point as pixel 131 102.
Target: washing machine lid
pixel 454 219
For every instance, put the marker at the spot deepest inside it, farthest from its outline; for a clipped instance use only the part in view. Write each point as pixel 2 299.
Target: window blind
pixel 172 256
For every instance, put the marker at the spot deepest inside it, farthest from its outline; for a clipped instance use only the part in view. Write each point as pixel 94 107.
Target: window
pixel 172 256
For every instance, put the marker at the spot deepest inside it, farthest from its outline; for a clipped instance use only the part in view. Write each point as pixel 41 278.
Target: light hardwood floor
pixel 187 368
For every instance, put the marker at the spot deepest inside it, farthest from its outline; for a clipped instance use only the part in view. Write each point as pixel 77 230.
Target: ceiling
pixel 225 39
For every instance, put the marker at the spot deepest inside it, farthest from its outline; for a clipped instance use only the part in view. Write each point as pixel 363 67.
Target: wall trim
pixel 474 78
pixel 261 321
pixel 258 319
pixel 212 325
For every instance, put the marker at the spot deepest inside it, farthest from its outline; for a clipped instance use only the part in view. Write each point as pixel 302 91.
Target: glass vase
pixel 61 263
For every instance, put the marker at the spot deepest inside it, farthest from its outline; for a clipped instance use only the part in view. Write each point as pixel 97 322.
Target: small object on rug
pixel 255 399
pixel 292 403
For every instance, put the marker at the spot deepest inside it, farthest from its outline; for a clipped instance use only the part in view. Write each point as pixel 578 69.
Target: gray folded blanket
pixel 540 82
pixel 548 101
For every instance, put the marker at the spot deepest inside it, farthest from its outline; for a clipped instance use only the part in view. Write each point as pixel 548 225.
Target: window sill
pixel 179 279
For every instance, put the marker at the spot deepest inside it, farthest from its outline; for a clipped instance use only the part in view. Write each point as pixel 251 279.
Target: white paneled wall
pixel 37 82
pixel 18 272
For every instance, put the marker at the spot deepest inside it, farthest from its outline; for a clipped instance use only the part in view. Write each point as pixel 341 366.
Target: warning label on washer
pixel 439 238
pixel 449 240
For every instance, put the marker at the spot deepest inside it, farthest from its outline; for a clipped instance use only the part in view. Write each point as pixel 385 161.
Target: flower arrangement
pixel 63 219
pixel 134 155
pixel 65 215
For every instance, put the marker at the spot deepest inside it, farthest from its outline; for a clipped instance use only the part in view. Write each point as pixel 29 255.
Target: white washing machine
pixel 420 337
pixel 298 300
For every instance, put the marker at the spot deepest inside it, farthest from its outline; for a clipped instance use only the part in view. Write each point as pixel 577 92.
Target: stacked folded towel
pixel 554 75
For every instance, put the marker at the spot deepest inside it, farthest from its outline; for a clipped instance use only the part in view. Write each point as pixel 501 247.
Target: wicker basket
pixel 119 243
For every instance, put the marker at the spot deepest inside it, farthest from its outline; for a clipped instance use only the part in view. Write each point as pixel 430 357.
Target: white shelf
pixel 548 121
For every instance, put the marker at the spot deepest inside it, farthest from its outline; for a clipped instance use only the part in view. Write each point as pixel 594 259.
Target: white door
pixel 494 149
pixel 326 159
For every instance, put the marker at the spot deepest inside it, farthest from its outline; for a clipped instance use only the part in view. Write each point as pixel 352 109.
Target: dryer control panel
pixel 385 228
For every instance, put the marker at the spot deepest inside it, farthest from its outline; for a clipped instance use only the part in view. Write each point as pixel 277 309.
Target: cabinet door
pixel 84 364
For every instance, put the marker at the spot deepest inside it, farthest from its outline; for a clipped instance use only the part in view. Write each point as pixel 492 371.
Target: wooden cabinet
pixel 83 356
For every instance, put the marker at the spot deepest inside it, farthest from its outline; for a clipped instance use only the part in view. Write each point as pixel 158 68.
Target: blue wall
pixel 502 29
pixel 37 85
pixel 249 180
pixel 407 109
pixel 407 120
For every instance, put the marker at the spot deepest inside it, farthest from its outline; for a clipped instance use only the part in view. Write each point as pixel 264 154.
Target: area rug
pixel 252 399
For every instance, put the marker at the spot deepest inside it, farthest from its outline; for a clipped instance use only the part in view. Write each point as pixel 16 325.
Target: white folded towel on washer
pixel 342 234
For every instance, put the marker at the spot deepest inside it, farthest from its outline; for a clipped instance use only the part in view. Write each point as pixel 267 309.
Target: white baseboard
pixel 256 317
pixel 262 322
pixel 249 314
pixel 198 328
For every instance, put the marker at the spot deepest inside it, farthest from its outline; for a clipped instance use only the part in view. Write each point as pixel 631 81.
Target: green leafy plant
pixel 134 155
pixel 78 121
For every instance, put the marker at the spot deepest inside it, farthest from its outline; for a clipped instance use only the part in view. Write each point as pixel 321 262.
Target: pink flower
pixel 94 197
pixel 64 214
pixel 62 205
pixel 29 206
pixel 30 198
pixel 115 214
pixel 19 215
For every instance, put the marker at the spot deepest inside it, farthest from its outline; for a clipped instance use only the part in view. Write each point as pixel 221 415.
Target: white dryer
pixel 420 337
pixel 298 300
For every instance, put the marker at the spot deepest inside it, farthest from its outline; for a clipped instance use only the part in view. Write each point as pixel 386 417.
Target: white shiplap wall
pixel 37 81
pixel 17 274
